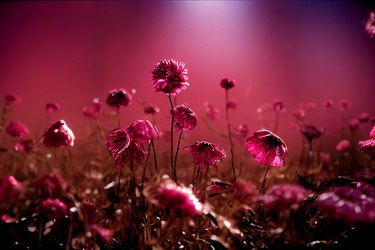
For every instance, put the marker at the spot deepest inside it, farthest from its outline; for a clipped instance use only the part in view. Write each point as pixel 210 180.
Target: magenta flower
pixel 242 131
pixel 151 109
pixel 231 104
pixel 311 132
pixel 328 103
pixel 245 191
pixel 299 114
pixel 180 200
pixel 205 153
pixel 119 98
pixel 364 117
pixel 58 134
pixel 51 184
pixel 104 233
pixel 11 99
pixel 52 107
pixel 267 148
pixel 310 105
pixel 354 125
pixel 344 104
pixel 325 159
pixel 184 118
pixel 93 110
pixel 278 105
pixel 17 129
pixel 170 77
pixel 24 146
pixel 142 131
pixel 372 132
pixel 211 112
pixel 10 189
pixel 370 24
pixel 227 84
pixel 343 146
pixel 284 196
pixel 53 209
pixel 353 204
pixel 367 146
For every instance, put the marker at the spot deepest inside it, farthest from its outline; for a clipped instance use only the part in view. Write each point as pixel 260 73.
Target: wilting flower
pixel 284 196
pixel 205 153
pixel 328 103
pixel 370 24
pixel 142 131
pixel 53 209
pixel 104 233
pixel 372 132
pixel 245 191
pixel 353 203
pixel 344 104
pixel 180 200
pixel 211 111
pixel 227 84
pixel 364 117
pixel 10 189
pixel 17 129
pixel 24 146
pixel 267 148
pixel 184 118
pixel 278 105
pixel 310 105
pixel 367 146
pixel 11 99
pixel 231 104
pixel 119 98
pixel 92 110
pixel 354 125
pixel 58 134
pixel 52 107
pixel 51 184
pixel 170 77
pixel 343 146
pixel 151 109
pixel 311 132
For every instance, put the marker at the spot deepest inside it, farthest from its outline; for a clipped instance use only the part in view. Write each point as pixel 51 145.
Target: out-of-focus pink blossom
pixel 284 196
pixel 58 134
pixel 343 146
pixel 242 130
pixel 53 209
pixel 180 200
pixel 90 211
pixel 119 98
pixel 231 104
pixel 245 191
pixel 267 148
pixel 353 204
pixel 278 105
pixel 170 77
pixel 93 110
pixel 367 146
pixel 205 153
pixel 17 129
pixel 142 131
pixel 372 132
pixel 24 146
pixel 184 118
pixel 344 104
pixel 104 233
pixel 372 120
pixel 51 184
pixel 11 98
pixel 311 132
pixel 370 24
pixel 328 103
pixel 52 107
pixel 151 109
pixel 310 105
pixel 299 114
pixel 227 84
pixel 10 189
pixel 354 125
pixel 364 117
pixel 325 158
pixel 211 112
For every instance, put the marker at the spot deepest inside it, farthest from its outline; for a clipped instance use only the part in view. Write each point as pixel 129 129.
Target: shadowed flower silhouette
pixel 58 134
pixel 170 77
pixel 205 153
pixel 311 132
pixel 227 84
pixel 119 98
pixel 278 105
pixel 184 118
pixel 17 129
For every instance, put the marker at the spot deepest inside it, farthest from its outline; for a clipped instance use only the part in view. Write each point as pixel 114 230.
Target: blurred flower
pixel 372 120
pixel 372 132
pixel 267 148
pixel 284 196
pixel 205 153
pixel 142 131
pixel 58 134
pixel 231 104
pixel 24 146
pixel 53 209
pixel 184 118
pixel 170 77
pixel 92 110
pixel 180 200
pixel 299 114
pixel 119 98
pixel 310 105
pixel 10 189
pixel 245 192
pixel 364 117
pixel 242 130
pixel 325 158
pixel 151 109
pixel 311 132
pixel 354 203
pixel 104 233
pixel 52 184
pixel 211 112
pixel 328 103
pixel 227 84
pixel 17 129
pixel 278 106
pixel 11 99
pixel 343 146
pixel 354 125
pixel 370 25
pixel 367 146
pixel 344 104
pixel 52 107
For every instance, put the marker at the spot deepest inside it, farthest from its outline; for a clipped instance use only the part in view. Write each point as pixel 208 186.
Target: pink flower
pixel 267 148
pixel 104 233
pixel 367 146
pixel 328 103
pixel 344 104
pixel 11 99
pixel 284 196
pixel 343 146
pixel 310 105
pixel 211 111
pixel 119 98
pixel 354 125
pixel 93 110
pixel 53 209
pixel 353 204
pixel 227 84
pixel 17 129
pixel 311 132
pixel 325 158
pixel 180 200
pixel 151 109
pixel 51 184
pixel 231 104
pixel 52 107
pixel 184 118
pixel 10 189
pixel 205 153
pixel 58 134
pixel 242 130
pixel 299 114
pixel 170 77
pixel 278 105
pixel 24 146
pixel 245 192
pixel 364 117
pixel 372 132
pixel 142 131
pixel 370 24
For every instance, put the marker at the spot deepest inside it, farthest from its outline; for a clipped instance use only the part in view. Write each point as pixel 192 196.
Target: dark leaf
pixel 340 181
pixel 304 182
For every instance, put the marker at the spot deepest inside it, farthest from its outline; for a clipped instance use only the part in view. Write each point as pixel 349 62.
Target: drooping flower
pixel 93 110
pixel 245 191
pixel 370 24
pixel 184 118
pixel 170 77
pixel 364 117
pixel 11 98
pixel 267 148
pixel 278 105
pixel 24 145
pixel 205 153
pixel 53 209
pixel 211 112
pixel 354 203
pixel 142 131
pixel 51 184
pixel 104 233
pixel 151 109
pixel 284 196
pixel 328 103
pixel 372 132
pixel 119 98
pixel 180 200
pixel 10 189
pixel 231 104
pixel 311 132
pixel 354 125
pixel 367 146
pixel 227 84
pixel 58 134
pixel 52 107
pixel 343 146
pixel 17 129
pixel 117 143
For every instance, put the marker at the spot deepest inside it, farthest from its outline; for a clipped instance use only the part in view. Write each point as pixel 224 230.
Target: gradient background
pixel 72 52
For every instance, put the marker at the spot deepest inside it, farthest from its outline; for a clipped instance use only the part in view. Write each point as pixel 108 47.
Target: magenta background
pixel 297 51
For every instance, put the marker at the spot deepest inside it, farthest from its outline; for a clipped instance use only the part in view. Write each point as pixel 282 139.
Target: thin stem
pixel 178 147
pixel 172 122
pixel 153 149
pixel 309 153
pixel 229 134
pixel 144 169
pixel 264 180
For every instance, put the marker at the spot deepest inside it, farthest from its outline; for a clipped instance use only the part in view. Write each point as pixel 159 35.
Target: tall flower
pixel 142 131
pixel 17 129
pixel 58 134
pixel 170 77
pixel 119 98
pixel 10 189
pixel 205 153
pixel 185 118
